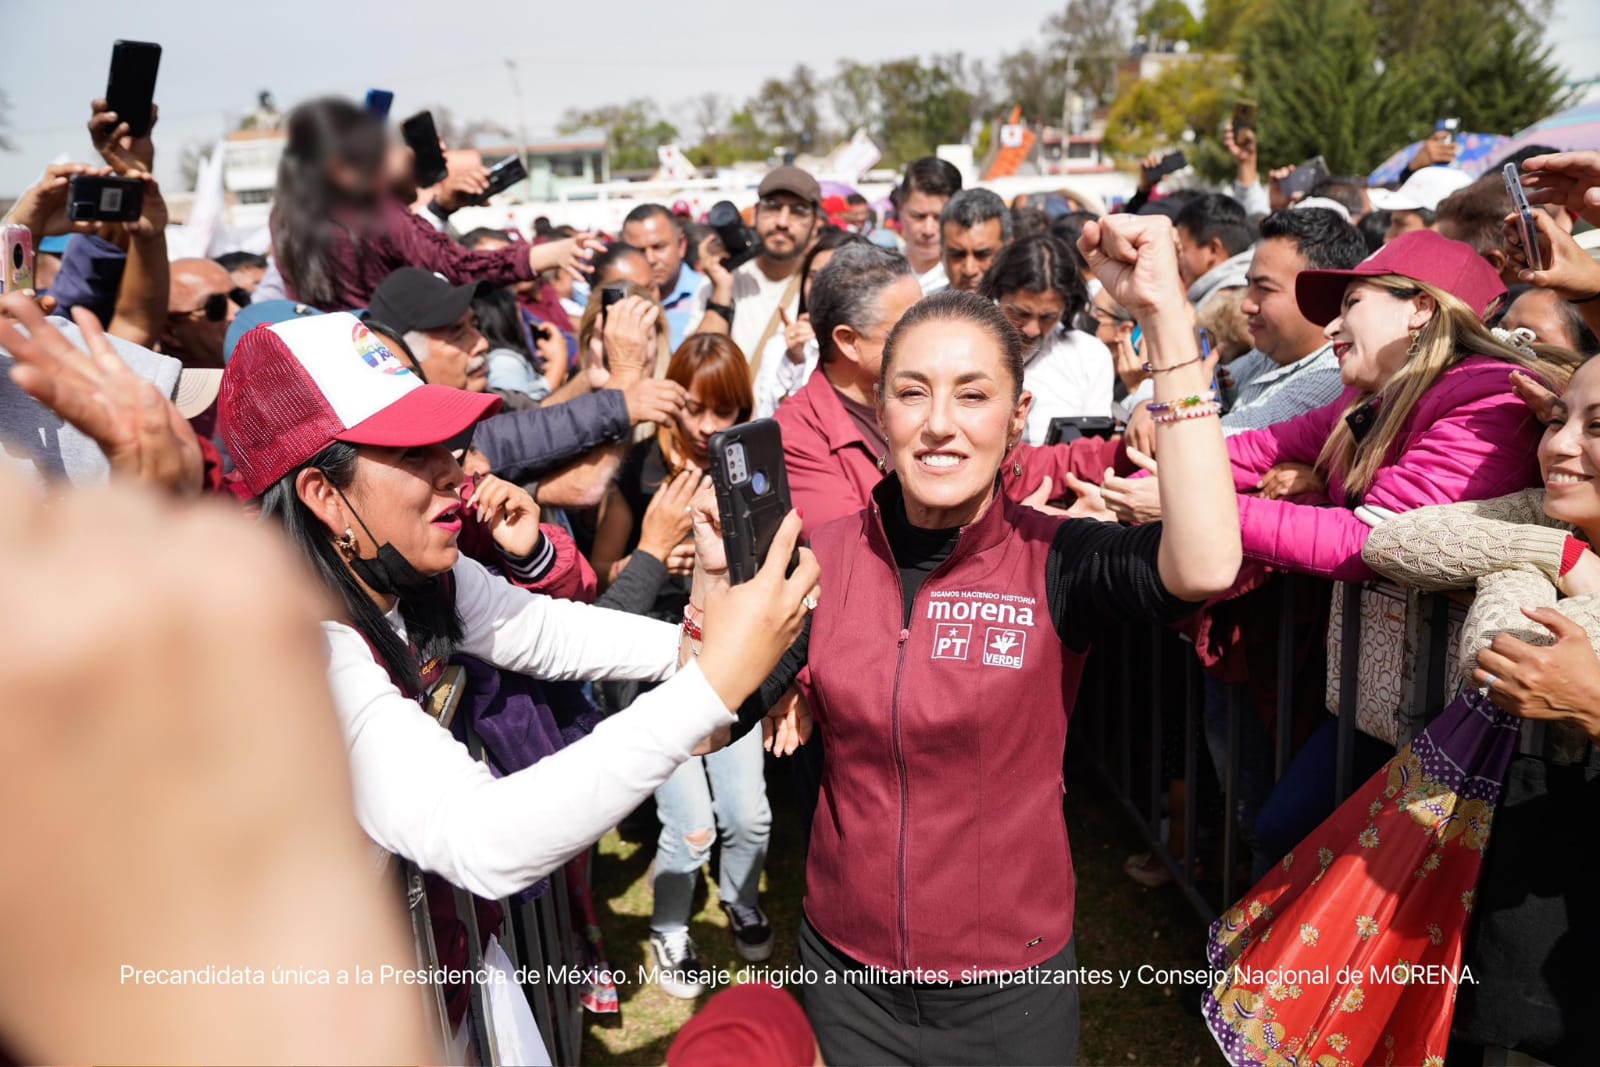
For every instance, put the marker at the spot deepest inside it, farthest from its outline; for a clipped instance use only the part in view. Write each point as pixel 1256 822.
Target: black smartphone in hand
pixel 502 176
pixel 1172 161
pixel 423 138
pixel 131 86
pixel 109 199
pixel 752 486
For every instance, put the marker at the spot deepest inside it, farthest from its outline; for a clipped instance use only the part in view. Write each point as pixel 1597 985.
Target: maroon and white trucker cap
pixel 296 387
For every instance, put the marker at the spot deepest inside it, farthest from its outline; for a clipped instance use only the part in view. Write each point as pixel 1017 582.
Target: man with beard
pixel 768 287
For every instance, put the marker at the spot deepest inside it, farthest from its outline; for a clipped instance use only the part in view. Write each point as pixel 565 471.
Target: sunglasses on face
pixel 772 206
pixel 215 308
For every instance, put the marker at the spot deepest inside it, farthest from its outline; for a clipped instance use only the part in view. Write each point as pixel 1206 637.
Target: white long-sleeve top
pixel 780 377
pixel 419 794
pixel 1072 373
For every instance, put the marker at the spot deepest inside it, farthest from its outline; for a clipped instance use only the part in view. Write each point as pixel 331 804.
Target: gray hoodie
pixel 1229 274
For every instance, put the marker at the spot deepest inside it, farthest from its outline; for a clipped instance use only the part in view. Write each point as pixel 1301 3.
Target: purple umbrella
pixel 1573 130
pixel 1478 150
pixel 836 189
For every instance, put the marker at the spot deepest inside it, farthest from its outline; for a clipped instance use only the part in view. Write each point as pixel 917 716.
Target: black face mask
pixel 389 572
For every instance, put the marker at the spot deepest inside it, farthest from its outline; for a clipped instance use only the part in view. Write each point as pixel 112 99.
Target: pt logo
pixel 1004 648
pixel 951 640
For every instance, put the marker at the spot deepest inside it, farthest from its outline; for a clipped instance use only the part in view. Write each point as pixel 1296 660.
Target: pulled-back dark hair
pixel 1038 264
pixel 305 202
pixel 1217 217
pixel 432 621
pixel 951 305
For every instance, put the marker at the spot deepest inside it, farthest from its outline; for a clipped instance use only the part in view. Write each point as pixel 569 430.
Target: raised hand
pixel 571 255
pixel 138 429
pixel 1136 258
pixel 1570 179
pixel 127 155
pixel 509 512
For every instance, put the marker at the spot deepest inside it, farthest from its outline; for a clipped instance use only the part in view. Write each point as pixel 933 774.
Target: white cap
pixel 1422 191
pixel 1326 203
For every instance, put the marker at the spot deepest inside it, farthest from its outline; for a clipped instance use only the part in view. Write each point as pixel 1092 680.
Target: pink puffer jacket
pixel 1469 438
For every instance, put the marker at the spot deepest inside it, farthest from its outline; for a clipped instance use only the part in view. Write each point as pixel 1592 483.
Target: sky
pixel 218 56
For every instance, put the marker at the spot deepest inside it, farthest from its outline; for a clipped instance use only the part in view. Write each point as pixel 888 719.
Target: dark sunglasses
pixel 216 305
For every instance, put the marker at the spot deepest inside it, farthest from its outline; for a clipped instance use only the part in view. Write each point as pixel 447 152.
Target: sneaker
pixel 752 934
pixel 677 966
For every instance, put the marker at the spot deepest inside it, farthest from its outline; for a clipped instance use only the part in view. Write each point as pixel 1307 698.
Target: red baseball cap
pixel 296 387
pixel 1422 256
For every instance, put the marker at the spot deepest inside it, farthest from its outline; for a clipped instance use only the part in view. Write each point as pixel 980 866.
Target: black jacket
pixel 522 445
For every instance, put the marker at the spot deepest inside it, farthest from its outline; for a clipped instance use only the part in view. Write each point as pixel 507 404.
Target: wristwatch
pixel 725 310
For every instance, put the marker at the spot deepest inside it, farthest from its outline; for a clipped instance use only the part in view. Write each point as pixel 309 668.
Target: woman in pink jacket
pixel 1427 417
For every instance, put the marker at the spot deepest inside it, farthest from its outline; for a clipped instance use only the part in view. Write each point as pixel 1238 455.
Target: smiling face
pixel 951 412
pixel 1273 318
pixel 1372 334
pixel 1569 454
pixel 409 498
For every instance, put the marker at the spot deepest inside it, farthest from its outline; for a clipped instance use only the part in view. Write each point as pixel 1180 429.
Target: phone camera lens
pixel 16 256
pixel 758 482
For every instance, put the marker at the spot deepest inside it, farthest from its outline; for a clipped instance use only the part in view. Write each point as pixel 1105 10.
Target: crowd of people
pixel 480 461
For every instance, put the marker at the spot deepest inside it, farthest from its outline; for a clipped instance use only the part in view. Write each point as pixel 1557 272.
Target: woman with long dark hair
pixel 1037 284
pixel 342 446
pixel 338 231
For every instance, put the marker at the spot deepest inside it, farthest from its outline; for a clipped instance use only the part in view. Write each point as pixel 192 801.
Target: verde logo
pixel 1004 648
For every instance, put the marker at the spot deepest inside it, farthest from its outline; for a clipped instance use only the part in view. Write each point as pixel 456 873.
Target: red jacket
pixel 832 471
pixel 939 841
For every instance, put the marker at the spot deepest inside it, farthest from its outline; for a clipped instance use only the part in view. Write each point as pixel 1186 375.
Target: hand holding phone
pixel 420 134
pixel 16 258
pixel 109 198
pixel 502 176
pixel 1306 177
pixel 1526 227
pixel 752 486
pixel 1172 161
pixel 131 85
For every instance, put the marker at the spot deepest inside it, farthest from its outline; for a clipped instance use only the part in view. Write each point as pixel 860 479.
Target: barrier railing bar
pixel 1230 795
pixel 1125 719
pixel 1191 785
pixel 1349 695
pixel 1285 717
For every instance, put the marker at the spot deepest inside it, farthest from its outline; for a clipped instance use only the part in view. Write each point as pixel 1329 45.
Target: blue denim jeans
pixel 721 795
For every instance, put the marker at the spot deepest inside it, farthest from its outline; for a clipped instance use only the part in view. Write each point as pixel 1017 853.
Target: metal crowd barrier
pixel 1128 711
pixel 537 935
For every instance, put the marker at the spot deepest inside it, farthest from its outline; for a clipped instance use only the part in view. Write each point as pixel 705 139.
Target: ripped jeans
pixel 724 793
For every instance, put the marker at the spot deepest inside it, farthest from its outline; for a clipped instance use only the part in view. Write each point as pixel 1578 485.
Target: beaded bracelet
pixel 1152 369
pixel 691 627
pixel 1197 412
pixel 1157 408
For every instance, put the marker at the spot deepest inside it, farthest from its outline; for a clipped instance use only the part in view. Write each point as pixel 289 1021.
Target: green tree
pixel 635 129
pixel 1354 80
pixel 1168 20
pixel 1185 105
pixel 787 108
pixel 1095 34
pixel 1314 67
pixel 923 105
pixel 1227 21
pixel 854 95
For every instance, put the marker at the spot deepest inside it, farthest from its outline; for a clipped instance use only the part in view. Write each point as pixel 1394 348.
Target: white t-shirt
pixel 419 793
pixel 934 280
pixel 755 302
pixel 1072 374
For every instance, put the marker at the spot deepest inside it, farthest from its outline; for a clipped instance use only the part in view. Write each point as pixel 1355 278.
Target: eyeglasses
pixel 1020 318
pixel 215 308
pixel 774 206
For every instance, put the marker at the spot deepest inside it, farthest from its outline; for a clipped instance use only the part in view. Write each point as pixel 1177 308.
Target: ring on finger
pixel 809 602
pixel 1488 684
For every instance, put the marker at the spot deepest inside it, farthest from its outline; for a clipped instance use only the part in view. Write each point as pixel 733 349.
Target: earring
pixel 346 543
pixel 1416 344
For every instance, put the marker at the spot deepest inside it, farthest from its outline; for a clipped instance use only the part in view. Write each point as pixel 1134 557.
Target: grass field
pixel 1120 925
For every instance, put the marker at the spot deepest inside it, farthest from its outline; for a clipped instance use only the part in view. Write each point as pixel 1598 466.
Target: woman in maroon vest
pixel 944 658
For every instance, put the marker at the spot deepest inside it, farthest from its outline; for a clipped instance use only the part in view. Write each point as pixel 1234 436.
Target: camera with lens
pixel 739 240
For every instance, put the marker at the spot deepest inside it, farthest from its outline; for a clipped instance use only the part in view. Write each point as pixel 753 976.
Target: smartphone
pixel 420 134
pixel 16 248
pixel 1064 429
pixel 378 103
pixel 1244 115
pixel 1170 162
pixel 502 176
pixel 1306 177
pixel 610 294
pixel 752 492
pixel 1525 223
pixel 1449 127
pixel 108 199
pixel 131 86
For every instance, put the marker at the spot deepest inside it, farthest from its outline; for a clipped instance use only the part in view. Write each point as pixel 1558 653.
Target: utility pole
pixel 522 128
